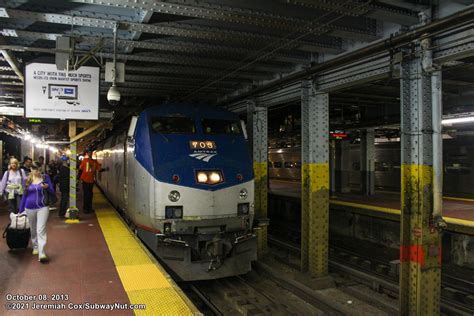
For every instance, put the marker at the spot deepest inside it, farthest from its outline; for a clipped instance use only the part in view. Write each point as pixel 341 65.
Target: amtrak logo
pixel 203 156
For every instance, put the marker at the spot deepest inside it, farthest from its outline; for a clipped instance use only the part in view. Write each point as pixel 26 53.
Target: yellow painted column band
pixel 315 217
pixel 72 211
pixel 420 247
pixel 261 205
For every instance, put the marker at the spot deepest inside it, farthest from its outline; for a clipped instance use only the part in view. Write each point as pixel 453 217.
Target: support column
pixel 72 211
pixel 315 181
pixel 259 138
pixel 367 161
pixel 420 241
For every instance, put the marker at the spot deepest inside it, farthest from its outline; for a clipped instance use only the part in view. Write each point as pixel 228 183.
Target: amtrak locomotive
pixel 183 177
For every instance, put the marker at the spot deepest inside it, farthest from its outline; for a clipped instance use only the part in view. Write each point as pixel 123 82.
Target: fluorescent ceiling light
pixel 458 120
pixel 12 111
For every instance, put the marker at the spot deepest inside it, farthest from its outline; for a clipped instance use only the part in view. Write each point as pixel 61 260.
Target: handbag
pixel 50 199
pixel 18 237
pixel 19 221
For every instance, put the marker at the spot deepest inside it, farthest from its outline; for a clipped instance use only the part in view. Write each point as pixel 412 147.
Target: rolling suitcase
pixel 17 233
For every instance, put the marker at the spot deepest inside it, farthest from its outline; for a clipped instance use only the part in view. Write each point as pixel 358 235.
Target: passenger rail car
pixel 183 176
pixel 458 156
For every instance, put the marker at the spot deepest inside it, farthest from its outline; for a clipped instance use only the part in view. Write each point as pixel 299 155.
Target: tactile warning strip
pixel 142 278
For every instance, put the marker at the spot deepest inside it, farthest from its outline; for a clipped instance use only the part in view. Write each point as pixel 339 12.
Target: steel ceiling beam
pixel 140 71
pixel 8 77
pixel 145 16
pixel 168 81
pixel 169 64
pixel 374 10
pixel 209 11
pixel 167 44
pixel 170 29
pixel 245 77
pixel 225 63
pixel 171 86
pixel 177 66
pixel 11 83
pixel 449 22
pixel 12 61
pixel 151 92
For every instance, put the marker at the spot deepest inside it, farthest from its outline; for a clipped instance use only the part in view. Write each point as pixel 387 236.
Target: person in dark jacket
pixel 63 180
pixel 27 161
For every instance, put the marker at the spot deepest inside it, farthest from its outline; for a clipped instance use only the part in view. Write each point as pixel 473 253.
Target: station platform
pixel 457 212
pixel 96 266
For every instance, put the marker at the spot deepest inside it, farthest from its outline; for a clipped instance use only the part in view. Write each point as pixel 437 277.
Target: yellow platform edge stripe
pixel 449 220
pixel 142 275
pixel 457 199
pixel 366 206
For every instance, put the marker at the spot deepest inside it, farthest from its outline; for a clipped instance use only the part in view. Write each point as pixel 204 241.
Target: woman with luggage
pixel 12 185
pixel 35 204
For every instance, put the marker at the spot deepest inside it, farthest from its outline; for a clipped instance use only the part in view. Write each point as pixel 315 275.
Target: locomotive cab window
pixel 216 126
pixel 173 125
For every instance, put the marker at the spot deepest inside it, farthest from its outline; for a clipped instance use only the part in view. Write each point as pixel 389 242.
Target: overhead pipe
pixel 452 20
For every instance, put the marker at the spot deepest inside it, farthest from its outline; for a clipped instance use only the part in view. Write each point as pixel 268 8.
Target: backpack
pixel 23 178
pixel 50 199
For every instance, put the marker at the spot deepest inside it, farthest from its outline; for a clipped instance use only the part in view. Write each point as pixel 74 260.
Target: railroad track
pixel 457 294
pixel 253 294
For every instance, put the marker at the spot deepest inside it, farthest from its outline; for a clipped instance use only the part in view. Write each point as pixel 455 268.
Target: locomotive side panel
pixel 140 203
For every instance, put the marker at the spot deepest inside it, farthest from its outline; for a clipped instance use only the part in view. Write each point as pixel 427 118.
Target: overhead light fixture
pixel 456 120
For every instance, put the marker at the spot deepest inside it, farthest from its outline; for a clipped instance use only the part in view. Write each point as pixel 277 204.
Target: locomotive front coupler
pixel 165 238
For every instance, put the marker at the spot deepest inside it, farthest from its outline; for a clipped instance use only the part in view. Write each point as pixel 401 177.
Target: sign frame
pixel 77 114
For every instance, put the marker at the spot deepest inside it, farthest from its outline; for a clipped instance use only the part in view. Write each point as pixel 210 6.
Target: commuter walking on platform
pixel 27 161
pixel 87 171
pixel 12 185
pixel 41 164
pixel 34 203
pixel 63 179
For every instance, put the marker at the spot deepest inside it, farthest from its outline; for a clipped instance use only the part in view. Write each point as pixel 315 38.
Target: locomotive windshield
pixel 173 125
pixel 216 126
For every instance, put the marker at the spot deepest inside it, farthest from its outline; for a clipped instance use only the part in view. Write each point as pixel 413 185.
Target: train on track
pixel 182 175
pixel 458 156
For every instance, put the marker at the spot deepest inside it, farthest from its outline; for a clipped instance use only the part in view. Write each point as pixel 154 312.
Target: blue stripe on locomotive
pixel 164 155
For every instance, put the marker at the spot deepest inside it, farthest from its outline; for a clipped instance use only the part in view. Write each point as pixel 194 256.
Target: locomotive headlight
pixel 243 194
pixel 174 196
pixel 210 177
pixel 214 177
pixel 202 177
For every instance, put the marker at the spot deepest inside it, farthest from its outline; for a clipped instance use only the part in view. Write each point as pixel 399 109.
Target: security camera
pixel 113 95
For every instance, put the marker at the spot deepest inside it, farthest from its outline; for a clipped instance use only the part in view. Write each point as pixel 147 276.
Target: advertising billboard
pixel 58 94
